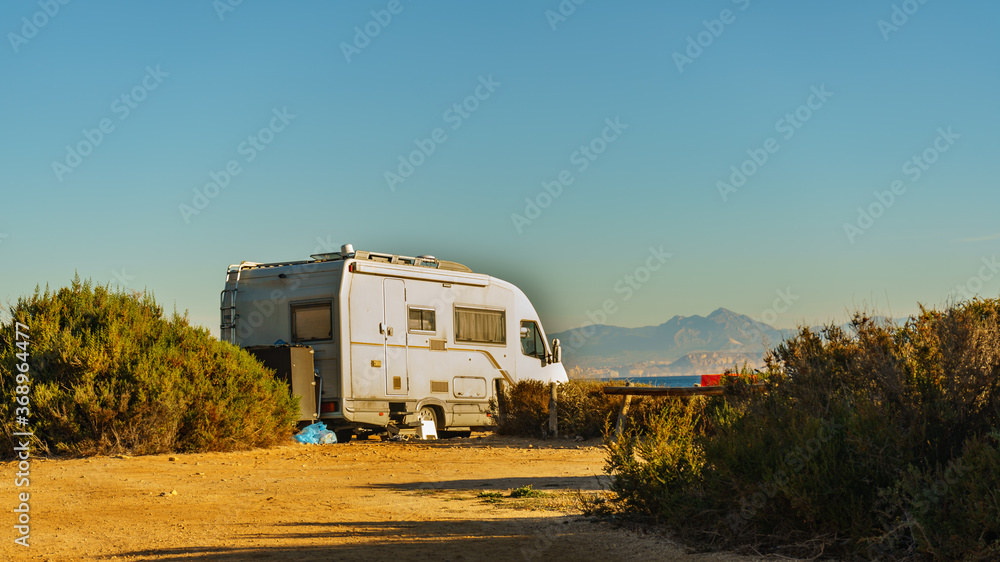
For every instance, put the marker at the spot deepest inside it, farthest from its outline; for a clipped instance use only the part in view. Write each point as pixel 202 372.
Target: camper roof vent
pixel 346 251
pixel 327 257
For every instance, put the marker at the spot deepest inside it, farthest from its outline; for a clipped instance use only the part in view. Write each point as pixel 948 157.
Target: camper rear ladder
pixel 227 307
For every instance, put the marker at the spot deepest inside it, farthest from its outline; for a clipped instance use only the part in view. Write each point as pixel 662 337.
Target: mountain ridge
pixel 683 345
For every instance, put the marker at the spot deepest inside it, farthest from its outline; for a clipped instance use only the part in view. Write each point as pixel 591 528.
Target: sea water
pixel 661 381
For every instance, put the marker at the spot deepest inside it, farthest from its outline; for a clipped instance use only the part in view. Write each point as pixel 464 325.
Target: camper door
pixel 394 329
pixel 378 337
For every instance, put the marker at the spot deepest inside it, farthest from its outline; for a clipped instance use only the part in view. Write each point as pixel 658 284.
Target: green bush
pixel 524 409
pixel 528 492
pixel 660 449
pixel 879 441
pixel 109 374
pixel 583 408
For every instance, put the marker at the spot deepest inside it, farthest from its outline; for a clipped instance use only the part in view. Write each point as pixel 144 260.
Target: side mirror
pixel 556 351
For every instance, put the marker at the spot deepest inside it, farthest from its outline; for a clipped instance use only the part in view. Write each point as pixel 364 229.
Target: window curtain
pixel 479 325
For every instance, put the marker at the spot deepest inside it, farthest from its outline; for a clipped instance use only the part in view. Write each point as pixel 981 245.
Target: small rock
pixel 171 459
pixel 173 492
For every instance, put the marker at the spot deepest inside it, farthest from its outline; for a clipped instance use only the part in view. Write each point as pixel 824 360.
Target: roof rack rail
pixel 347 252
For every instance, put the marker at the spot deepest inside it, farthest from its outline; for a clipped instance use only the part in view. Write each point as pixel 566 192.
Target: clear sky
pixel 120 119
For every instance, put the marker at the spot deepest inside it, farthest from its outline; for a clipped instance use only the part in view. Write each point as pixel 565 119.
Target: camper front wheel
pixel 429 413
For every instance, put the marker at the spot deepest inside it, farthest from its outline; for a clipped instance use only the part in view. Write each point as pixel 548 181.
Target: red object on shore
pixel 716 380
pixel 711 380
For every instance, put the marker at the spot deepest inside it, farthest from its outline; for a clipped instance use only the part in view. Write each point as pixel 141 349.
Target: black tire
pixel 450 434
pixel 344 435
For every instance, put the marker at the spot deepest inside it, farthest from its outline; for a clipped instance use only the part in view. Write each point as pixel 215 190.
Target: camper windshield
pixel 532 340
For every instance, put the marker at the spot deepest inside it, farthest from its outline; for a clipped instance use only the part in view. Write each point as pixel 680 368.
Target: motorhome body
pixel 395 339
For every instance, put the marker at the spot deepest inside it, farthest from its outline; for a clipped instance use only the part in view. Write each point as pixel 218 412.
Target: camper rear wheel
pixel 430 413
pixel 344 435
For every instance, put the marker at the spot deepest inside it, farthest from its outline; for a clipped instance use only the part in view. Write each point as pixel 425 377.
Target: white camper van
pixel 394 339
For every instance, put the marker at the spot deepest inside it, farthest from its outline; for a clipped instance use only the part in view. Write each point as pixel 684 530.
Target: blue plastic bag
pixel 316 434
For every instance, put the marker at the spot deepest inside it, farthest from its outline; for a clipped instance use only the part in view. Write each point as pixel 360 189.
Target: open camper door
pixel 394 300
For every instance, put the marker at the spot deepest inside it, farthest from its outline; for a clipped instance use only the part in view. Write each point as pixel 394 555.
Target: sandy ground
pixel 363 500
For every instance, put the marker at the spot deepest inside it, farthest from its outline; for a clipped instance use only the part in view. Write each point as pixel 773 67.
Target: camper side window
pixel 312 321
pixel 421 320
pixel 477 325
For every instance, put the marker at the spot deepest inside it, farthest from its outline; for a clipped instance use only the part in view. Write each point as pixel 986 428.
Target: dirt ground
pixel 363 500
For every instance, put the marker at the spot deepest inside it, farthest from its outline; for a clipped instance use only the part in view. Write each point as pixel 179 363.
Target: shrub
pixel 110 374
pixel 878 441
pixel 524 409
pixel 659 448
pixel 528 492
pixel 583 408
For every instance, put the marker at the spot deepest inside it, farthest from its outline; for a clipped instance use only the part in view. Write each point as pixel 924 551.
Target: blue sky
pixel 185 89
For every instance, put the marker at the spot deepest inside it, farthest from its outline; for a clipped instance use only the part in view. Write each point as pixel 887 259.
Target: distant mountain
pixel 721 338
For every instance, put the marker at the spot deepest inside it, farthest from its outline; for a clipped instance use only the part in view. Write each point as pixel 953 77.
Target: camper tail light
pixel 330 406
